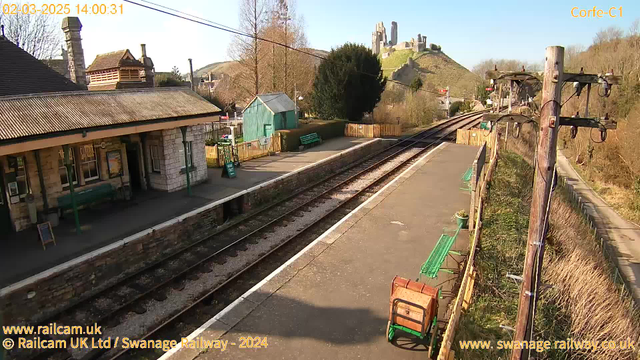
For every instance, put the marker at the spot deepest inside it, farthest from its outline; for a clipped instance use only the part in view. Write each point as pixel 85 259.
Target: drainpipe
pixel 43 187
pixel 186 158
pixel 68 165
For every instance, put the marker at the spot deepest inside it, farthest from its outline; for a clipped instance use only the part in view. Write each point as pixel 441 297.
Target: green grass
pixel 502 252
pixel 396 59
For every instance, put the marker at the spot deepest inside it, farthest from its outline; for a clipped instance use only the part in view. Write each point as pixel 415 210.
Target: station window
pixel 20 187
pixel 62 169
pixel 89 162
pixel 189 155
pixel 155 158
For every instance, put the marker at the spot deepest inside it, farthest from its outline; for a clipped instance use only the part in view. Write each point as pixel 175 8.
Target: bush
pixel 290 139
pixel 348 83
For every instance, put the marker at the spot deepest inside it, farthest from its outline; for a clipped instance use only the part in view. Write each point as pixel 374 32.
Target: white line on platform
pixel 256 287
pixel 121 243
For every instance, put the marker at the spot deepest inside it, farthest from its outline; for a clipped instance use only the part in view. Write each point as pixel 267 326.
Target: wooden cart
pixel 414 310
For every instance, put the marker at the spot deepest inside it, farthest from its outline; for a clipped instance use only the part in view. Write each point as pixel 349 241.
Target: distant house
pixel 120 70
pixel 268 113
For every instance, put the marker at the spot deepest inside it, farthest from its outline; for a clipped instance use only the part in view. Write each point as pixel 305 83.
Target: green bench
pixel 310 139
pixel 466 179
pixel 87 196
pixel 433 265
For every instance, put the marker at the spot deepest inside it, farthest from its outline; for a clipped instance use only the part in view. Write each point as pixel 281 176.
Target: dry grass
pixel 584 287
pixel 584 302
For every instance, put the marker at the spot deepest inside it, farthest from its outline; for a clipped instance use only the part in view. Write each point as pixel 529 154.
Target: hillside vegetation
pixel 583 300
pixel 612 167
pixel 435 68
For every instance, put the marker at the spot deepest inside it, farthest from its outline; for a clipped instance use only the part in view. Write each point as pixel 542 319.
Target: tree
pixel 348 83
pixel 175 73
pixel 609 34
pixel 416 84
pixel 284 69
pixel 481 93
pixel 37 34
pixel 246 50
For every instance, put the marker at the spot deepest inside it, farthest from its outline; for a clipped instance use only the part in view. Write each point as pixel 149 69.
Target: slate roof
pixel 275 102
pixel 113 60
pixel 21 73
pixel 39 114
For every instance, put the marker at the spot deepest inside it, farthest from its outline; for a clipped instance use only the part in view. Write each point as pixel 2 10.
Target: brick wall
pixel 76 282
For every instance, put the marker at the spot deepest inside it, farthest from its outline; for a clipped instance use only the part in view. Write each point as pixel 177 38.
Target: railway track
pixel 169 291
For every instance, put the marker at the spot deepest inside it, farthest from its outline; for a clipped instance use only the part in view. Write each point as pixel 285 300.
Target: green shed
pixel 267 113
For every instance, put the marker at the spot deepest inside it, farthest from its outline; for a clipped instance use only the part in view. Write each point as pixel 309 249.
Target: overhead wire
pixel 202 21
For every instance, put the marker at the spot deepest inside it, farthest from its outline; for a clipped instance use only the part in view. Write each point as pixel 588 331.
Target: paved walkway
pixel 623 235
pixel 21 254
pixel 332 301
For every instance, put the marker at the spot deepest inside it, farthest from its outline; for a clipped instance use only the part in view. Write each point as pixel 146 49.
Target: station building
pixel 61 144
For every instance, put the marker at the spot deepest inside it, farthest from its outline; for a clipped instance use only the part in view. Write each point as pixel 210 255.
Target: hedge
pixel 327 129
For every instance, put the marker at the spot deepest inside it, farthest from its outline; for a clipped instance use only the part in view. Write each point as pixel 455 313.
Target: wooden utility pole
pixel 546 160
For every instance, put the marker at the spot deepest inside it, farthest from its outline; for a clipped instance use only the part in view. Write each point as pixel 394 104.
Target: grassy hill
pixel 436 69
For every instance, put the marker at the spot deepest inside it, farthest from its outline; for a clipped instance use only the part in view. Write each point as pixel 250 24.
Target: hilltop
pixel 435 68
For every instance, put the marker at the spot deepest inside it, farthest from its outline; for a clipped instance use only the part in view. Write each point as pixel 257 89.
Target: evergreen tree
pixel 348 84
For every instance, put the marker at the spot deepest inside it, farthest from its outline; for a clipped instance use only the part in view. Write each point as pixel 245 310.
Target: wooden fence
pixel 246 150
pixel 463 300
pixel 475 137
pixel 372 130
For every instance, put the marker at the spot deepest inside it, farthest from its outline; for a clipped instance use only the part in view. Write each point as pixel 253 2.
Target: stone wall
pixel 171 176
pixel 47 293
pixel 174 157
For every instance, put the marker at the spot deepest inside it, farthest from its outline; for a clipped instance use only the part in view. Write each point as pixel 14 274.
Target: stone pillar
pixel 71 27
pixel 394 34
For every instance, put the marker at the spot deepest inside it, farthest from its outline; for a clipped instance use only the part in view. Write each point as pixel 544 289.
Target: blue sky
pixel 468 31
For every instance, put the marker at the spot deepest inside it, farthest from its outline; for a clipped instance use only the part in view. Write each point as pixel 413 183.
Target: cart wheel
pixel 390 331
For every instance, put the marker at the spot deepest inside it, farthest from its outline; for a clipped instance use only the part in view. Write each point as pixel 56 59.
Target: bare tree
pixel 609 34
pixel 246 50
pixel 37 34
pixel 634 29
pixel 288 70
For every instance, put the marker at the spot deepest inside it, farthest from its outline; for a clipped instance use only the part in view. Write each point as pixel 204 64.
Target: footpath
pixel 622 235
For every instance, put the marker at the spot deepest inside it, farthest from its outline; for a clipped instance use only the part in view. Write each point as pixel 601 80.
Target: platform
pixel 21 254
pixel 331 301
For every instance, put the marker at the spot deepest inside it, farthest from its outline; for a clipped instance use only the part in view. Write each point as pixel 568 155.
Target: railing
pixel 463 300
pixel 245 151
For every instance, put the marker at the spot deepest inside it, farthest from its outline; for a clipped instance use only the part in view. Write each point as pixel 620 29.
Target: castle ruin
pixel 379 41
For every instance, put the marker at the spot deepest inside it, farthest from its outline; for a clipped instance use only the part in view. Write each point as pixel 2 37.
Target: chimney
pixel 71 27
pixel 149 73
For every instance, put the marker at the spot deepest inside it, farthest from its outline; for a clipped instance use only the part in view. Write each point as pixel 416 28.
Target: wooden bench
pixel 433 265
pixel 87 196
pixel 310 139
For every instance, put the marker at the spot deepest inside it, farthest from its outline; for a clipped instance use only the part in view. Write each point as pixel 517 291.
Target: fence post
pixel 474 186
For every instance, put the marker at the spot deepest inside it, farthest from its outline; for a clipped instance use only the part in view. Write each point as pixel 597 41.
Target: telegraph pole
pixel 545 164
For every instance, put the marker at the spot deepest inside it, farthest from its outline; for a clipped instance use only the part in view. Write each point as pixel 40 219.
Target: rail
pixel 446 127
